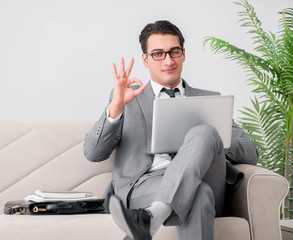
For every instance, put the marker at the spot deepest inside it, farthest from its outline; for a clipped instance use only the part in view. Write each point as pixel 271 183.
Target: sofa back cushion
pixel 47 154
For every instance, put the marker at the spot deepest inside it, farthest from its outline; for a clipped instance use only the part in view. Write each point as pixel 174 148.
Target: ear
pixel 145 60
pixel 183 54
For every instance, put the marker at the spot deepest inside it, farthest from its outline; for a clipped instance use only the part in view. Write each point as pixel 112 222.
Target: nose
pixel 168 59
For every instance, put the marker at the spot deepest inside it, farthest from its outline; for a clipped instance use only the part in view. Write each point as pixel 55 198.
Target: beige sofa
pixel 48 154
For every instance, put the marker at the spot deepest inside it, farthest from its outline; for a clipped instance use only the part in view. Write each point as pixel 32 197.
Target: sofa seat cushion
pixel 71 227
pixel 98 226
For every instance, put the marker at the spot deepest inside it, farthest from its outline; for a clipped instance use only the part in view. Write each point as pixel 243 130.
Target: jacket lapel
pixel 189 91
pixel 145 101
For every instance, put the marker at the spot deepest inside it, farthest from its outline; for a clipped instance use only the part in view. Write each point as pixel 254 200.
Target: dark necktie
pixel 170 92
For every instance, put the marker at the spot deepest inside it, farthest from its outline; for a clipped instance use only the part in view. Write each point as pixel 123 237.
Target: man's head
pixel 159 27
pixel 163 52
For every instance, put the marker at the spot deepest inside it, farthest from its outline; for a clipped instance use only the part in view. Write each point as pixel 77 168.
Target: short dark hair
pixel 159 27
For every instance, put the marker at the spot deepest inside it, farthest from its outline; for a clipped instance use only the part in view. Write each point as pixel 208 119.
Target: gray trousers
pixel 193 184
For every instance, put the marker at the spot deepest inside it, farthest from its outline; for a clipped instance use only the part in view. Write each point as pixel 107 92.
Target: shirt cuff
pixel 113 120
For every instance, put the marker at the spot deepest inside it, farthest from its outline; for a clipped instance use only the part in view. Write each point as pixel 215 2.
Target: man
pixel 186 190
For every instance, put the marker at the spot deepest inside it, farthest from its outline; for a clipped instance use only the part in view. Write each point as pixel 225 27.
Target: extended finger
pixel 115 76
pixel 129 67
pixel 122 71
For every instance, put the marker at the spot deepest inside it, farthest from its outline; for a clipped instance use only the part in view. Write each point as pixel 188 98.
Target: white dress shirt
pixel 161 160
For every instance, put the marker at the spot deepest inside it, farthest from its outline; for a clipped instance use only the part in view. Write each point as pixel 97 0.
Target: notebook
pixel 173 117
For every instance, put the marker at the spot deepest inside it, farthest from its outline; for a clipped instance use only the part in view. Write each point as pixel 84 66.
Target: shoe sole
pixel 115 207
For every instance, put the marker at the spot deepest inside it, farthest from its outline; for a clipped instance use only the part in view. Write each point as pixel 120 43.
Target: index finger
pixel 121 73
pixel 115 75
pixel 129 67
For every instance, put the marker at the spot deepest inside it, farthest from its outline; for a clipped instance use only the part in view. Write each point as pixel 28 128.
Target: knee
pixel 205 131
pixel 207 135
pixel 202 128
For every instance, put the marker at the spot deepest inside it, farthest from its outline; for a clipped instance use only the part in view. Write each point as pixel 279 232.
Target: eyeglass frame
pixel 166 52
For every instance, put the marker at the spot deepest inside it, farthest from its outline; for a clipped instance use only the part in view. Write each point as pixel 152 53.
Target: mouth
pixel 169 70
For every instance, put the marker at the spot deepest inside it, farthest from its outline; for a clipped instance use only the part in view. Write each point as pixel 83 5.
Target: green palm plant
pixel 270 72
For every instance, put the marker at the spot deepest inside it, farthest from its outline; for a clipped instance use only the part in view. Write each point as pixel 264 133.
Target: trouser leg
pixel 198 167
pixel 199 223
pixel 145 189
pixel 201 157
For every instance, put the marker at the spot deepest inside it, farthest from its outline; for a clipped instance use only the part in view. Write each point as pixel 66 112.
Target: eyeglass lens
pixel 160 55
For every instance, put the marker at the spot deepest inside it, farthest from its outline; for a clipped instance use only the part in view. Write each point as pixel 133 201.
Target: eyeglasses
pixel 161 55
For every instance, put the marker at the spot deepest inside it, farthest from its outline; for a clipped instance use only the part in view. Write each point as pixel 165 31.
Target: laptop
pixel 173 117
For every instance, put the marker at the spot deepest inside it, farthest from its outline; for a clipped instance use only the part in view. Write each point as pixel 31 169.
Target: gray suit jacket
pixel 131 137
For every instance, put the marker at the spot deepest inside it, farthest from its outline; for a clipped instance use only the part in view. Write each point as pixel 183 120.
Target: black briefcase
pixel 57 207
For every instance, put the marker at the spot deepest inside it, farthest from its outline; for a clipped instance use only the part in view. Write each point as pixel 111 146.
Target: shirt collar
pixel 158 87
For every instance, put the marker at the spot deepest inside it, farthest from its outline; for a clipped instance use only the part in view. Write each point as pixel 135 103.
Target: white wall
pixel 56 55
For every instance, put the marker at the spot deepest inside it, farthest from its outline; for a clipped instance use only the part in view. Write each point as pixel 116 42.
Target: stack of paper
pixel 48 196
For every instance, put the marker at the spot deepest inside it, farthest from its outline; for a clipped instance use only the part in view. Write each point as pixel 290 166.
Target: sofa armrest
pixel 258 200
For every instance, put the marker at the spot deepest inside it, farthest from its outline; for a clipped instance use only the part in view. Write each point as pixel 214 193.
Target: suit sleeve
pixel 103 138
pixel 242 150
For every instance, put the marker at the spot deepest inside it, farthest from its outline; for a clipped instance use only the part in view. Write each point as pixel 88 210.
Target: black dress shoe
pixel 134 222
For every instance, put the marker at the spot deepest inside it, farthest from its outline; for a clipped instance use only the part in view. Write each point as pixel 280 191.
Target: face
pixel 166 72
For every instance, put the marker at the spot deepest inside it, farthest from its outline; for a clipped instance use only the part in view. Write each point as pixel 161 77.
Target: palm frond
pixel 265 129
pixel 287 59
pixel 265 86
pixel 264 42
pixel 261 76
pixel 232 52
pixel 287 14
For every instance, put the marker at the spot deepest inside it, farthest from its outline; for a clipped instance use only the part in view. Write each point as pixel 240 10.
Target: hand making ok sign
pixel 123 93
